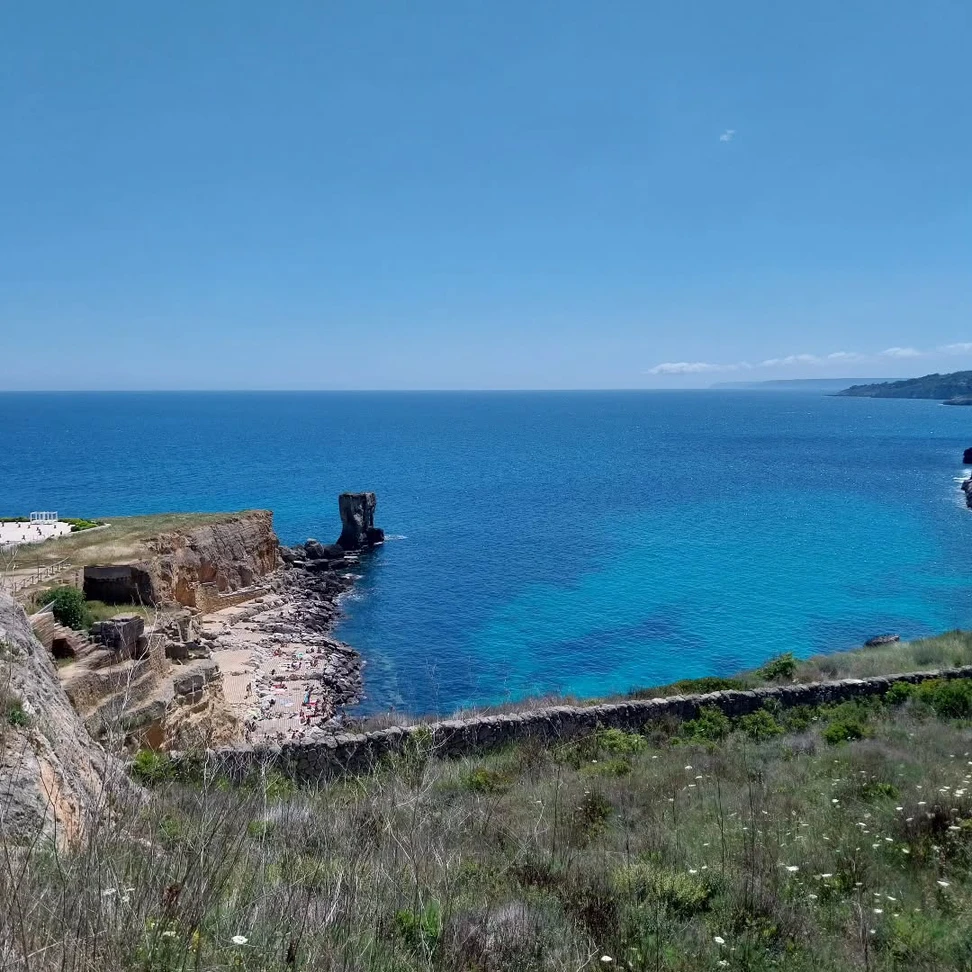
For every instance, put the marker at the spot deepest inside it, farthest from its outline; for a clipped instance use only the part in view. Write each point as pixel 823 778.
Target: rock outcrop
pixel 967 489
pixel 229 556
pixel 358 528
pixel 220 557
pixel 967 457
pixel 54 778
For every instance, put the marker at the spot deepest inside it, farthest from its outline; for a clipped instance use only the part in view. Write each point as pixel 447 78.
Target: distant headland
pixel 787 384
pixel 953 389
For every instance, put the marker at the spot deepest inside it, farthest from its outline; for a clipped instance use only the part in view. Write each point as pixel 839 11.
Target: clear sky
pixel 307 194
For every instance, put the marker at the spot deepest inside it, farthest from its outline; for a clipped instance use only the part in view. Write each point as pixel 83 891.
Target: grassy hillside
pixel 825 839
pixel 955 385
pixel 122 540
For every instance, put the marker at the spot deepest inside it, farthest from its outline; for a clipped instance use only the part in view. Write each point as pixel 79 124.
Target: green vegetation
pixel 68 605
pixel 825 839
pixel 13 712
pixel 957 384
pixel 72 609
pixel 779 669
pixel 77 525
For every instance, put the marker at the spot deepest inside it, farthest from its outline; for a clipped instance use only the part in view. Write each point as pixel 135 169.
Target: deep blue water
pixel 577 542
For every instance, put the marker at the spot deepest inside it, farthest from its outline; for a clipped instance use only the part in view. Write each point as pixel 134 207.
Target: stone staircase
pixel 59 640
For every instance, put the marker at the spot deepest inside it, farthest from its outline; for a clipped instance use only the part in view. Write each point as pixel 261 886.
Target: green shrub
pixel 712 724
pixel 617 742
pixel 152 767
pixel 899 693
pixel 594 811
pixel 260 829
pixel 14 713
pixel 483 780
pixel 799 718
pixel 68 605
pixel 878 789
pixel 778 669
pixel 949 699
pixel 760 725
pixel 79 524
pixel 843 729
pixel 421 929
pixel 684 895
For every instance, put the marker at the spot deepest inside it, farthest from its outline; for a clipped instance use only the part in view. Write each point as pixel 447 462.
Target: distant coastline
pixel 954 388
pixel 788 384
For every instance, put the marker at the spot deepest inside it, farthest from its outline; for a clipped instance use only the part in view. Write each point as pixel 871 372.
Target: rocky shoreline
pixel 285 675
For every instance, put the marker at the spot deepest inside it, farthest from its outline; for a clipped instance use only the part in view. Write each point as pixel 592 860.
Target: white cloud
pixel 810 360
pixel 902 353
pixel 687 368
pixel 727 135
pixel 791 359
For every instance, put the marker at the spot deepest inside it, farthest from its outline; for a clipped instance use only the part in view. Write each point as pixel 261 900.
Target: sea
pixel 581 543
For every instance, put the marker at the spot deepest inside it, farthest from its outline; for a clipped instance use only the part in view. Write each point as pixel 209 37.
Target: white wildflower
pixel 719 940
pixel 239 939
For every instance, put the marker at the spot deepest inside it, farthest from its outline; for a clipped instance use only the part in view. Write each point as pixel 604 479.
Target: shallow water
pixel 576 542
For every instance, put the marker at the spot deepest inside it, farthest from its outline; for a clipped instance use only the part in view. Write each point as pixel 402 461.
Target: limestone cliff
pixel 229 555
pixel 177 567
pixel 54 778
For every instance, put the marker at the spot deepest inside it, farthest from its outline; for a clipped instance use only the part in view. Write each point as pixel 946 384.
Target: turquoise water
pixel 574 542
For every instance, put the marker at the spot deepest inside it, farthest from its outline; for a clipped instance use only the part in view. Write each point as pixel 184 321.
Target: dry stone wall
pixel 358 752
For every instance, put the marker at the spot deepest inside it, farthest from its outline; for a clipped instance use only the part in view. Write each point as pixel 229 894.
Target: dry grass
pixel 121 541
pixel 686 852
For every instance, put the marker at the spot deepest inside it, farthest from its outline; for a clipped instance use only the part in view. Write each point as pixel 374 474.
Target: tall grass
pixel 721 846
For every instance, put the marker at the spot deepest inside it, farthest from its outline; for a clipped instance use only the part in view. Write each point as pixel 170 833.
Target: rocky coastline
pixel 285 674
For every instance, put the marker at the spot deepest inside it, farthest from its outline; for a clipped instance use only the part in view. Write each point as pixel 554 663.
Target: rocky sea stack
pixel 358 529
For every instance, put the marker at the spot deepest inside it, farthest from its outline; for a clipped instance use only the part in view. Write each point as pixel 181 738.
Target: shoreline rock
pixel 358 530
pixel 290 678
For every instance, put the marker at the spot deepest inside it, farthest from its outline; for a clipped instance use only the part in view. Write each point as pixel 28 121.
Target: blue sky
pixel 483 195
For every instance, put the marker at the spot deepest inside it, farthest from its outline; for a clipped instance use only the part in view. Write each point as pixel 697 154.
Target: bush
pixel 14 713
pixel 712 724
pixel 778 669
pixel 422 929
pixel 684 895
pixel 78 524
pixel 878 789
pixel 950 699
pixel 844 729
pixel 617 742
pixel 899 693
pixel 68 605
pixel 760 725
pixel 483 780
pixel 152 767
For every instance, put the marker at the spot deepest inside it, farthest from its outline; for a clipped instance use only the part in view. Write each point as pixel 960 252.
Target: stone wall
pixel 359 752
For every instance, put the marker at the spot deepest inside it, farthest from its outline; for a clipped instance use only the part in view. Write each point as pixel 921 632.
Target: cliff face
pixel 229 555
pixel 54 778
